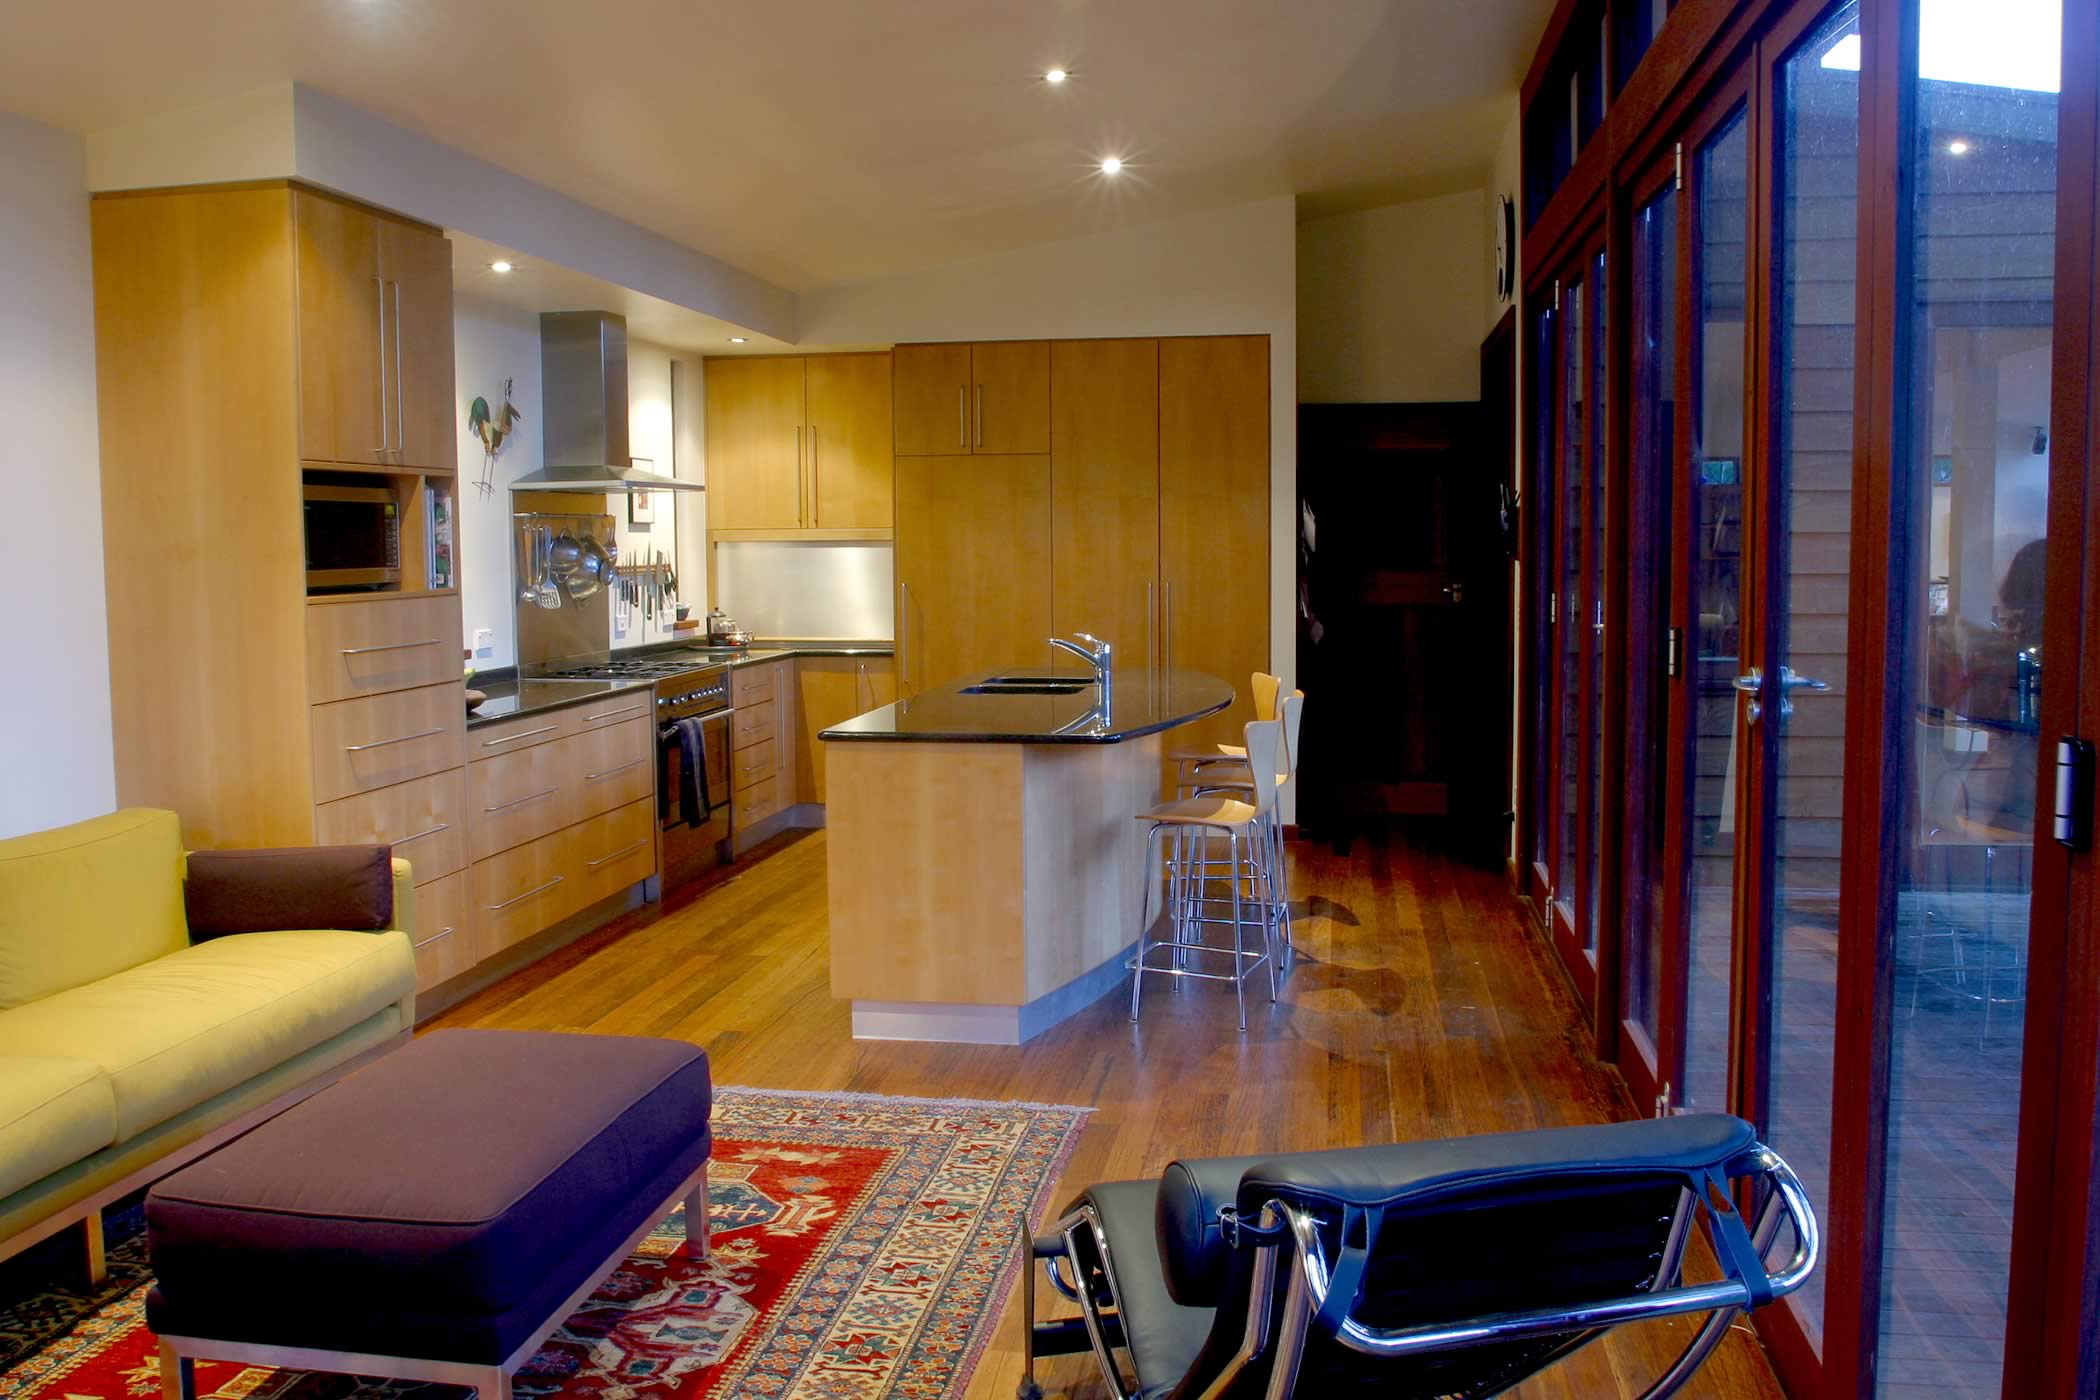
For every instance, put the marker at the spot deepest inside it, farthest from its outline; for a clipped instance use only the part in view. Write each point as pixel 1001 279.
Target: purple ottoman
pixel 433 1216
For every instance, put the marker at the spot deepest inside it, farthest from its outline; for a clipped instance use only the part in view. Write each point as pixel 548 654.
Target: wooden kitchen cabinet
pixel 1214 517
pixel 990 398
pixel 851 459
pixel 375 337
pixel 972 566
pixel 831 690
pixel 798 444
pixel 754 443
pixel 1104 493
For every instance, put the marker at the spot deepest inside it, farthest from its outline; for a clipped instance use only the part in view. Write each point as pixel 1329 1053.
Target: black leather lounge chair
pixel 1428 1269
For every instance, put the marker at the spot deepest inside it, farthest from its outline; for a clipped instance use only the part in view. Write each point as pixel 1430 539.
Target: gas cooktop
pixel 640 668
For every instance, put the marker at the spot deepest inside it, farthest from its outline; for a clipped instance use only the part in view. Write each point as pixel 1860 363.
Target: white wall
pixel 492 342
pixel 663 432
pixel 56 754
pixel 1221 272
pixel 1389 302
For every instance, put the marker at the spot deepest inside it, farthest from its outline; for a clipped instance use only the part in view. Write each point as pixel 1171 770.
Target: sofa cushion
pixel 199 1021
pixel 81 902
pixel 53 1111
pixel 346 887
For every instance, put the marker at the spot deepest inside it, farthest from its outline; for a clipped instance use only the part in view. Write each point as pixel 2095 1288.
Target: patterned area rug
pixel 863 1247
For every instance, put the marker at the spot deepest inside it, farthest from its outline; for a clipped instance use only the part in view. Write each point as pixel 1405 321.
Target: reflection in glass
pixel 1600 303
pixel 1818 256
pixel 1721 264
pixel 1970 586
pixel 1568 779
pixel 1652 421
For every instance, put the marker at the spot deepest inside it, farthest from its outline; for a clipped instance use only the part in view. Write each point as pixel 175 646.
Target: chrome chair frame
pixel 1288 1328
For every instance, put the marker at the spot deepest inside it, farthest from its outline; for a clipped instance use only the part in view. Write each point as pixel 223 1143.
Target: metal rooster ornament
pixel 494 430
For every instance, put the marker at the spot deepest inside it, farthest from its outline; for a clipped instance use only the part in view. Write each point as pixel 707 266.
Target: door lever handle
pixel 1752 684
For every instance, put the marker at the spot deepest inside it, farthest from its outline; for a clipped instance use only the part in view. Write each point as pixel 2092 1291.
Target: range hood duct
pixel 583 386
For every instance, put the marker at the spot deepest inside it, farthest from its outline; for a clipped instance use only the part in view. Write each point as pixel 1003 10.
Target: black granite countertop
pixel 508 699
pixel 1140 702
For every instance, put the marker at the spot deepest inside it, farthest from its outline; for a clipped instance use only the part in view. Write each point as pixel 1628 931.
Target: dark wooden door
pixel 1403 629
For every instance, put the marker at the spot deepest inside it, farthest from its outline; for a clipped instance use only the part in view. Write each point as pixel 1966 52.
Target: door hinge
pixel 1680 165
pixel 1553 607
pixel 2073 817
pixel 1598 627
pixel 1556 294
pixel 1662 1101
pixel 1673 648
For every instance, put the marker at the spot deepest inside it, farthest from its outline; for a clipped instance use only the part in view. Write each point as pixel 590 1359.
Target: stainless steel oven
pixel 690 847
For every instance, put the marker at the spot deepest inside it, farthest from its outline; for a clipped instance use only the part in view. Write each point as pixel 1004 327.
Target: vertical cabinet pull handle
pixel 379 286
pixel 814 493
pixel 400 388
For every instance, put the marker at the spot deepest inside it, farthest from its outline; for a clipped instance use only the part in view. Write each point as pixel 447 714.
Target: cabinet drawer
pixel 752 765
pixel 443 935
pixel 537 885
pixel 752 724
pixel 380 740
pixel 754 804
pixel 753 685
pixel 423 820
pixel 367 648
pixel 521 796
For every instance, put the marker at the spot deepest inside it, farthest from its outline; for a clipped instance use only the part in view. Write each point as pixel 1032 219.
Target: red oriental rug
pixel 863 1247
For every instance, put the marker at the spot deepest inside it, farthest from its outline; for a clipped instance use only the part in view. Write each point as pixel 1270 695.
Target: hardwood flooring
pixel 1419 1006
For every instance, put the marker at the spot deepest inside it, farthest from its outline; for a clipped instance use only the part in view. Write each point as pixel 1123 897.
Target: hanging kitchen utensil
pixel 550 591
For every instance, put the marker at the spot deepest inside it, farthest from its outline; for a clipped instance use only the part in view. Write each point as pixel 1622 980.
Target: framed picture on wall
pixel 641 505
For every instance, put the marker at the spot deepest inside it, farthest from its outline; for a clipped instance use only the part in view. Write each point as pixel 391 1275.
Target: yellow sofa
pixel 126 1050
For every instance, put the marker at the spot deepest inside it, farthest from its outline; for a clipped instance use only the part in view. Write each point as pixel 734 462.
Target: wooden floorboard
pixel 1419 1007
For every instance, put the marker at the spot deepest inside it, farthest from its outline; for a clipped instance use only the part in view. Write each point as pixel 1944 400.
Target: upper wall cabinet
pixel 375 337
pixel 798 444
pixel 991 397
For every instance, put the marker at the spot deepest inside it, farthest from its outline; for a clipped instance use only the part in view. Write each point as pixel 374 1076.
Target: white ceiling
pixel 813 142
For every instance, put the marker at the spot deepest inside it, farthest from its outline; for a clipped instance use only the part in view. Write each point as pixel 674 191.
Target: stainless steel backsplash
pixel 807 589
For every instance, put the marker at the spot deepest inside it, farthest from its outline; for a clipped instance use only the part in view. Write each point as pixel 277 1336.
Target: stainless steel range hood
pixel 583 385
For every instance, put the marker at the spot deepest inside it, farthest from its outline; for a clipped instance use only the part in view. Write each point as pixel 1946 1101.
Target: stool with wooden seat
pixel 1196 821
pixel 1190 763
pixel 1292 708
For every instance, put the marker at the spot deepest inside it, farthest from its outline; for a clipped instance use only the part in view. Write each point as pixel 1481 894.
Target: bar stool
pixel 1242 825
pixel 1188 763
pixel 1292 708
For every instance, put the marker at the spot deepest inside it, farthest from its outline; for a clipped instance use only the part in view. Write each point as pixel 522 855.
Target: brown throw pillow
pixel 340 887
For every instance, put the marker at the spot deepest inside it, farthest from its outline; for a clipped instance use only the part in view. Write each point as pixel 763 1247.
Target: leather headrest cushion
pixel 1192 1249
pixel 308 887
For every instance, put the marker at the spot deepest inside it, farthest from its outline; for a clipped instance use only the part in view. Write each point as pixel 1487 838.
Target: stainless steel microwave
pixel 353 537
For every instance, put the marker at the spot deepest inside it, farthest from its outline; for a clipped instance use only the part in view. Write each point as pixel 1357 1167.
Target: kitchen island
pixel 985 860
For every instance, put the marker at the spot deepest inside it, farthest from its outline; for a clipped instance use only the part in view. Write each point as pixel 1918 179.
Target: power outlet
pixel 484 641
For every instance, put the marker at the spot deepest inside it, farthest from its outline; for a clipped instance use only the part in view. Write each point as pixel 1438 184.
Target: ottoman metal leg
pixel 697 1229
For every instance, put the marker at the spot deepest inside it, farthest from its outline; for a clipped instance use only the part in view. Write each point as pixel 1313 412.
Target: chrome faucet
pixel 1096 653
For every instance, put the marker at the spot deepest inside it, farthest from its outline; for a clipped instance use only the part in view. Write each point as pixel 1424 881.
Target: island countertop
pixel 1141 702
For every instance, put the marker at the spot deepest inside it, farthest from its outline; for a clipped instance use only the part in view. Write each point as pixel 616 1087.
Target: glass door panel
pixel 1539 582
pixel 1573 610
pixel 1975 410
pixel 1652 421
pixel 1720 257
pixel 1809 504
pixel 1594 361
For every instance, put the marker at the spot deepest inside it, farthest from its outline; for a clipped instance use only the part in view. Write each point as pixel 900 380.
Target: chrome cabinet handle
pixel 594 777
pixel 520 899
pixel 441 933
pixel 521 801
pixel 441 826
pixel 379 286
pixel 624 850
pixel 615 714
pixel 525 734
pixel 400 393
pixel 391 646
pixel 382 743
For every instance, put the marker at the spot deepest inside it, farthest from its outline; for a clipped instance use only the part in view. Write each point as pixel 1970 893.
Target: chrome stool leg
pixel 1148 880
pixel 1239 951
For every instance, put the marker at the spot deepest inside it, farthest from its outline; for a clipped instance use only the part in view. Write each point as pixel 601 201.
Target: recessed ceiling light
pixel 1957 148
pixel 1111 165
pixel 1056 75
pixel 499 265
pixel 736 340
